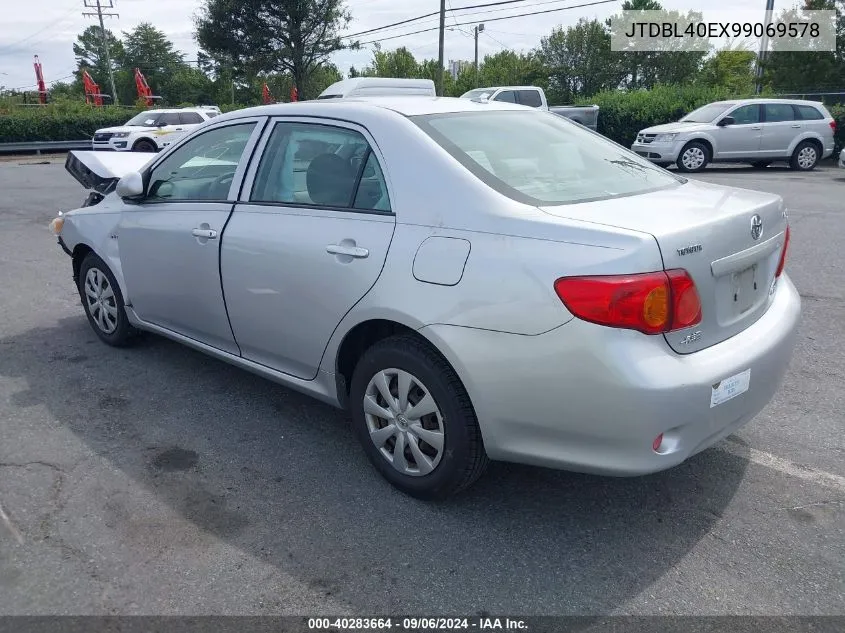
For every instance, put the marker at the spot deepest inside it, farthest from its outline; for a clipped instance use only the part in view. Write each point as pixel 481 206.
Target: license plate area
pixel 747 287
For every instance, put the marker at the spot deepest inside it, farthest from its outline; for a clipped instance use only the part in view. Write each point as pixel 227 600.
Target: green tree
pixel 90 55
pixel 509 68
pixel 148 49
pixel 579 61
pixel 731 69
pixel 808 71
pixel 396 63
pixel 273 36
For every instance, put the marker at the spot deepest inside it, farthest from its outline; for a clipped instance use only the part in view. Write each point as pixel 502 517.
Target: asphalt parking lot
pixel 155 480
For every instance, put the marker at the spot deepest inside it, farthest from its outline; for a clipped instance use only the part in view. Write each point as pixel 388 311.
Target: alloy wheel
pixel 693 158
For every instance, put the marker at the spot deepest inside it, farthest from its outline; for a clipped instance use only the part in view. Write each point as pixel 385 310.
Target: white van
pixel 378 87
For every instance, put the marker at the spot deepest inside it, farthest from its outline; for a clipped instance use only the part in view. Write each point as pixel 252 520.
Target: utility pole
pixel 478 29
pixel 440 52
pixel 764 48
pixel 99 5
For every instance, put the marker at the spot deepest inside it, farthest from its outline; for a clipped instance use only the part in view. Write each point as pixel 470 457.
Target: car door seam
pixel 220 275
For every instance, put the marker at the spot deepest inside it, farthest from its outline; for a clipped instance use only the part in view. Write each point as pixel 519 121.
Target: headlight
pixel 665 138
pixel 120 134
pixel 57 224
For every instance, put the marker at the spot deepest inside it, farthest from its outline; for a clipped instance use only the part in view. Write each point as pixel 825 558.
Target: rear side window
pixel 777 112
pixel 807 113
pixel 508 95
pixel 320 165
pixel 190 118
pixel 530 98
pixel 169 119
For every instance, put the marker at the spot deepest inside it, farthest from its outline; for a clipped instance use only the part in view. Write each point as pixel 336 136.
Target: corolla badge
pixel 756 227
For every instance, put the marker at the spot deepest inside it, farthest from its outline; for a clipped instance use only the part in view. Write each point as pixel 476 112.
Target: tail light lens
pixel 652 303
pixel 833 126
pixel 782 261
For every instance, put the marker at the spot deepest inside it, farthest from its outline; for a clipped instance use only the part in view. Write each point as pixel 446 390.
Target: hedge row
pixel 58 122
pixel 622 114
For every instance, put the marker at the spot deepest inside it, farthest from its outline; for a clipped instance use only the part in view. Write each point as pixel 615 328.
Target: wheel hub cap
pixel 404 422
pixel 100 300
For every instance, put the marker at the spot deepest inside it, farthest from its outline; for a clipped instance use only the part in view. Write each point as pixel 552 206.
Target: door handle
pixel 178 129
pixel 796 125
pixel 757 127
pixel 352 251
pixel 209 234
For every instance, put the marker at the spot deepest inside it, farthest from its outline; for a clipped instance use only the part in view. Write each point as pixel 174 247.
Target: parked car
pixel 535 97
pixel 378 87
pixel 152 130
pixel 758 131
pixel 471 281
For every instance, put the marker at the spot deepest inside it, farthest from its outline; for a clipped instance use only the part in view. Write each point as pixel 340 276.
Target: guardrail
pixel 43 146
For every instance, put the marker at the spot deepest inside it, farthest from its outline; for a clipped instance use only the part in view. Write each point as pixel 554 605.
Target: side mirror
pixel 131 186
pixel 728 120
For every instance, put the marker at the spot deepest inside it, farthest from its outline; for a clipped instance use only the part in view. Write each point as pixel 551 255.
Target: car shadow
pixel 280 476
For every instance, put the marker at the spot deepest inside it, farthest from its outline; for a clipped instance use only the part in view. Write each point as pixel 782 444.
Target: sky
pixel 48 28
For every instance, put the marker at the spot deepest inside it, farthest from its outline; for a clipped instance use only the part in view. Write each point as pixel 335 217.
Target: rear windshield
pixel 542 159
pixel 706 114
pixel 478 94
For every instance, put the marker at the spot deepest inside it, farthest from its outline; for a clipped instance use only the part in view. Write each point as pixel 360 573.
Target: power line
pixel 504 17
pixel 428 15
pixel 41 30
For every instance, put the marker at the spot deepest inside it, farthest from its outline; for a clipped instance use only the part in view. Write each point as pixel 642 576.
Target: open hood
pixel 100 171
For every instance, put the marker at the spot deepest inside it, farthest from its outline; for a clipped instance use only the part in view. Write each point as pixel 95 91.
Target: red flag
pixel 265 93
pixel 294 94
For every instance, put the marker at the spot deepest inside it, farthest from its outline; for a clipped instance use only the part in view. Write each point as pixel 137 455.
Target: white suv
pixel 152 130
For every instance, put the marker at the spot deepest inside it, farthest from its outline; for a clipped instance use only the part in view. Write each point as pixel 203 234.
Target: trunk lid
pixel 715 234
pixel 100 171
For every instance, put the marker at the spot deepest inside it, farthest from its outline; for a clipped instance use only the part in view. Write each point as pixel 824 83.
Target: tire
pixel 144 145
pixel 461 458
pixel 694 157
pixel 103 303
pixel 805 157
pixel 761 164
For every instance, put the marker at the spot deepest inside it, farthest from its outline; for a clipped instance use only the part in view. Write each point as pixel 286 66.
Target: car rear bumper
pixel 842 158
pixel 588 398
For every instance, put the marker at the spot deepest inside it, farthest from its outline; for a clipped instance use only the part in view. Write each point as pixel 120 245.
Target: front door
pixel 169 243
pixel 306 243
pixel 742 138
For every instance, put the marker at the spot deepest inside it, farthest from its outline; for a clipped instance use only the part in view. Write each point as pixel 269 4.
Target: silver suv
pixel 758 131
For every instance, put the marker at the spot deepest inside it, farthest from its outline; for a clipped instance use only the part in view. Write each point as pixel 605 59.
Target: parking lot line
pixel 785 466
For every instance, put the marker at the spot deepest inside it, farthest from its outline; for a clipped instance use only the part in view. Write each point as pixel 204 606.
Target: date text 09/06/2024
pixel 417 624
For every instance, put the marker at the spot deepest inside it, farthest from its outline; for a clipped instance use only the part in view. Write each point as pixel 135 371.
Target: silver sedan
pixel 472 281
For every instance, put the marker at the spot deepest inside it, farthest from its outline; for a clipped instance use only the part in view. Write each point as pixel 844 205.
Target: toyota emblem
pixel 756 227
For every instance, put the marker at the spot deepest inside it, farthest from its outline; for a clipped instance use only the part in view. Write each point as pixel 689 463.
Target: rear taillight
pixel 652 303
pixel 833 126
pixel 782 261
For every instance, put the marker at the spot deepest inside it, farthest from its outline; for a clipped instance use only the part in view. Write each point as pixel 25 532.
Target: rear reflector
pixel 652 303
pixel 782 261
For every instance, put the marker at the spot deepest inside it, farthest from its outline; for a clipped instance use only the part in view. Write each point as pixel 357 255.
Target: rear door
pixel 307 240
pixel 742 139
pixel 779 129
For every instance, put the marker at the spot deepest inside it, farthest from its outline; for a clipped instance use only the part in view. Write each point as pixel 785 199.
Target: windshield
pixel 540 158
pixel 706 114
pixel 477 94
pixel 145 119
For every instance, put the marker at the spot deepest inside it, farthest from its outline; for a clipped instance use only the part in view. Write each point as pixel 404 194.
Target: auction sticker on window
pixel 729 388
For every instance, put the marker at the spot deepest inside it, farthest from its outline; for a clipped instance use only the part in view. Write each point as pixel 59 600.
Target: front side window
pixel 320 165
pixel 168 118
pixel 778 112
pixel 190 118
pixel 540 158
pixel 201 169
pixel 746 114
pixel 508 96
